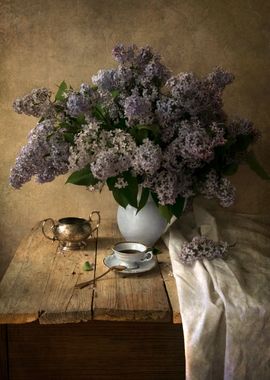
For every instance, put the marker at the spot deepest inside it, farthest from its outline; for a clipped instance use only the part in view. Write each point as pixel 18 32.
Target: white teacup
pixel 132 254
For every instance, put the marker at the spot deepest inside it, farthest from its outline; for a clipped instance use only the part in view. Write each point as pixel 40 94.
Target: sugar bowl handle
pixel 52 227
pixel 98 220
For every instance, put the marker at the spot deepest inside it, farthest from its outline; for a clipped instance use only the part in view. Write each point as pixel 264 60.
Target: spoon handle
pixel 86 283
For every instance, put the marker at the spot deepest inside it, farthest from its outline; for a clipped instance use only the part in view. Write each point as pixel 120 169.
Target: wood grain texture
pixel 118 297
pixel 169 281
pixel 24 283
pixel 97 350
pixel 62 303
pixel 40 285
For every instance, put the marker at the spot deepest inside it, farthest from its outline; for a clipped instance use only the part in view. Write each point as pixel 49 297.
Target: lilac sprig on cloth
pixel 201 248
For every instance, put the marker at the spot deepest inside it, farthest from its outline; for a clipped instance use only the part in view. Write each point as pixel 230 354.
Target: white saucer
pixel 111 261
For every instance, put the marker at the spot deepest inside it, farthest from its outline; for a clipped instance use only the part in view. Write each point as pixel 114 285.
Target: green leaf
pixel 88 266
pixel 154 128
pixel 165 212
pixel 111 182
pixel 61 90
pixel 178 207
pixel 80 120
pixel 230 169
pixel 64 125
pixel 69 137
pixel 155 198
pixel 144 198
pixel 82 177
pixel 120 197
pixel 103 116
pixel 242 142
pixel 141 132
pixel 115 93
pixel 131 191
pixel 256 166
pixel 70 128
pixel 98 111
pixel 140 135
pixel 121 124
pixel 156 251
pixel 126 195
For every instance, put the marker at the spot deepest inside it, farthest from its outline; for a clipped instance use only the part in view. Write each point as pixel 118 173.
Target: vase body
pixel 145 227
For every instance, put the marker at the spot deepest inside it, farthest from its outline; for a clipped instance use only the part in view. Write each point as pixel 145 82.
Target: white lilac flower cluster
pixel 137 125
pixel 201 248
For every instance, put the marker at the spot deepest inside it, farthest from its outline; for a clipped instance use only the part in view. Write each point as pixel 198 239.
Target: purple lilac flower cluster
pixel 45 156
pixel 147 158
pixel 37 103
pixel 169 133
pixel 218 187
pixel 201 248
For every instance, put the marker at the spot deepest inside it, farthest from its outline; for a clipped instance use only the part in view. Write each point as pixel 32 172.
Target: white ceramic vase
pixel 145 227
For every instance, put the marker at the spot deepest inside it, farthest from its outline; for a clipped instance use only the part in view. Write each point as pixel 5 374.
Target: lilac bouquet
pixel 137 125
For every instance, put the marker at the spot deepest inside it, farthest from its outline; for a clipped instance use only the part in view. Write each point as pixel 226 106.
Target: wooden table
pixel 125 326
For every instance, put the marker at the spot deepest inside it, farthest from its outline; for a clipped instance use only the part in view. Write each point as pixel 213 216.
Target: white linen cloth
pixel 225 305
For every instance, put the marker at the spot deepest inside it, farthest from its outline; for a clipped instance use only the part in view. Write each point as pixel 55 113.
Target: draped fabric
pixel 225 304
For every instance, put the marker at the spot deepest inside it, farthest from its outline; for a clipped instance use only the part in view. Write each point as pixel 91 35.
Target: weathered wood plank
pixel 40 281
pixel 23 285
pixel 169 281
pixel 127 297
pixel 40 285
pixel 62 303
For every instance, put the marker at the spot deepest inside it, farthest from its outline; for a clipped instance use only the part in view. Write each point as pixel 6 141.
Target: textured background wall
pixel 43 42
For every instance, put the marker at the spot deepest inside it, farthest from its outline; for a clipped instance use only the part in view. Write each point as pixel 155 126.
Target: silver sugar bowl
pixel 71 232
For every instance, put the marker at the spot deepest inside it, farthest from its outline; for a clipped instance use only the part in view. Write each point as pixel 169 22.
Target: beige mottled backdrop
pixel 43 42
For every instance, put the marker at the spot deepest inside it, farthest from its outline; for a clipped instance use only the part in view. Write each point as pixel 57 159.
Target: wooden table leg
pixel 3 353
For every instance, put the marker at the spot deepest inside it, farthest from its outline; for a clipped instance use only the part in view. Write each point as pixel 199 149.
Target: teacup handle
pixel 148 256
pixel 98 220
pixel 43 228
